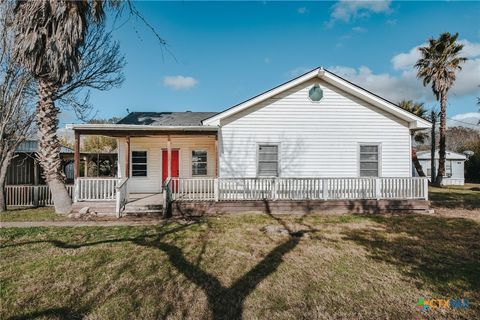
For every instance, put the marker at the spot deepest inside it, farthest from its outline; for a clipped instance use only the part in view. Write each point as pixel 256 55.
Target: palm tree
pixel 48 37
pixel 437 66
pixel 418 109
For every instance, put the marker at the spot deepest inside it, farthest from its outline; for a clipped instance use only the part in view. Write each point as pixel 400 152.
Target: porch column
pixel 169 155
pixel 76 156
pixel 216 155
pixel 127 157
pixel 85 167
pixel 36 175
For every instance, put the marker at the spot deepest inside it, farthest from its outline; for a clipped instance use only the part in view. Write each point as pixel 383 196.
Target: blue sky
pixel 226 52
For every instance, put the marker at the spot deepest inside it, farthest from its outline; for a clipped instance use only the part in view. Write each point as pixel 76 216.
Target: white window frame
pixel 131 164
pixel 258 145
pixel 379 160
pixel 192 162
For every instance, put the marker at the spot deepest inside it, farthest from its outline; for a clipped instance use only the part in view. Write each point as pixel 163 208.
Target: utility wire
pixel 470 124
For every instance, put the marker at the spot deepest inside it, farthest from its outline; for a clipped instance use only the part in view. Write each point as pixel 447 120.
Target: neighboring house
pixel 454 166
pixel 25 169
pixel 318 125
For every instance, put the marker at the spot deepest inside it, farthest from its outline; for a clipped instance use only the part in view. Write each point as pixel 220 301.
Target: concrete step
pixel 130 207
pixel 142 213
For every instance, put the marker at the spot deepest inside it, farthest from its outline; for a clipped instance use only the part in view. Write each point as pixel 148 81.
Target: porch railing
pixel 96 189
pixel 236 189
pixel 31 195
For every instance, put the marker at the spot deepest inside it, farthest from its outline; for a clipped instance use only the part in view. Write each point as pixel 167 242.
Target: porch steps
pixel 138 210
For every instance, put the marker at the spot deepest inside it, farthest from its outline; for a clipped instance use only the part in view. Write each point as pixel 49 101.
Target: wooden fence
pixel 31 196
pixel 237 189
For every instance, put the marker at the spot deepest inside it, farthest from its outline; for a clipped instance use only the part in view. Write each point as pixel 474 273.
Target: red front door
pixel 174 164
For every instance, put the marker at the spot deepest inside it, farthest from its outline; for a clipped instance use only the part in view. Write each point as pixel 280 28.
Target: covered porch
pixel 147 157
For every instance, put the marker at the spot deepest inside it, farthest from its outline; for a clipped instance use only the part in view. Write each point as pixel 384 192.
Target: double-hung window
pixel 369 160
pixel 199 163
pixel 139 163
pixel 268 160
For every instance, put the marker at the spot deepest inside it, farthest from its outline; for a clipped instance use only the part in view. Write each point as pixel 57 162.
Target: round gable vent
pixel 315 93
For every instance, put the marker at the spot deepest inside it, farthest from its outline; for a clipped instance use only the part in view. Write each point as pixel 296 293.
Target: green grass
pixel 467 196
pixel 31 214
pixel 343 267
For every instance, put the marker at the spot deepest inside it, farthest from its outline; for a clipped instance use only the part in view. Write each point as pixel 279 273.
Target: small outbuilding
pixel 454 166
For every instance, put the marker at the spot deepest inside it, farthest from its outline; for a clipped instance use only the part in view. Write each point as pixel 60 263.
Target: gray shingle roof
pixel 28 146
pixel 166 118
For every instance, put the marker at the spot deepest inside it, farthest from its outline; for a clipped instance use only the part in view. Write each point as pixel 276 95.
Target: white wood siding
pixel 154 145
pixel 316 139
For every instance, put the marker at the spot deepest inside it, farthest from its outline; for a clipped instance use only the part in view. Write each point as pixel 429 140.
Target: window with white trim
pixel 369 160
pixel 199 163
pixel 268 160
pixel 139 163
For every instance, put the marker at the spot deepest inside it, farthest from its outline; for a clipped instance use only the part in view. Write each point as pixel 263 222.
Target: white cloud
pixel 406 60
pixel 302 10
pixel 405 85
pixel 393 88
pixel 298 71
pixel 179 82
pixel 359 29
pixel 469 120
pixel 348 11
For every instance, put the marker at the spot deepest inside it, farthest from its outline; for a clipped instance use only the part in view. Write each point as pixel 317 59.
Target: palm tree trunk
pixel 442 142
pixel 417 164
pixel 49 146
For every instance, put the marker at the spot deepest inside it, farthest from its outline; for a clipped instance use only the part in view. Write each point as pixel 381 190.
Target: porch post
pixel 169 152
pixel 216 155
pixel 76 156
pixel 85 167
pixel 36 175
pixel 127 157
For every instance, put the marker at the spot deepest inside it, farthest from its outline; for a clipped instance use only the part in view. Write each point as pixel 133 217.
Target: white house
pixel 454 166
pixel 316 126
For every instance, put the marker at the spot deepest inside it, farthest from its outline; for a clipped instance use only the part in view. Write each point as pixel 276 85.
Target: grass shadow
pixel 224 302
pixel 443 253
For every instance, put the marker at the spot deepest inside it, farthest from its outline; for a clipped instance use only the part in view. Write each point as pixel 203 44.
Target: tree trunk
pixel 442 142
pixel 3 201
pixel 49 147
pixel 4 163
pixel 417 164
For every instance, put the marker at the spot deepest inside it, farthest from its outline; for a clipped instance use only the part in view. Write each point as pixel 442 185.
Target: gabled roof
pixel 183 119
pixel 414 121
pixel 425 155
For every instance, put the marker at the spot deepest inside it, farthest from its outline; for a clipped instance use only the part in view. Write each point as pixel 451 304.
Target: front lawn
pixel 467 196
pixel 331 267
pixel 31 214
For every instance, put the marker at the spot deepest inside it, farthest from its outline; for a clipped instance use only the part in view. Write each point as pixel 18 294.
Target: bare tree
pixel 100 68
pixel 49 35
pixel 16 103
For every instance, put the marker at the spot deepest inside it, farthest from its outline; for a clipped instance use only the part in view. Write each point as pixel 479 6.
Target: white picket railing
pixel 121 196
pixel 96 189
pixel 193 188
pixel 31 195
pixel 237 189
